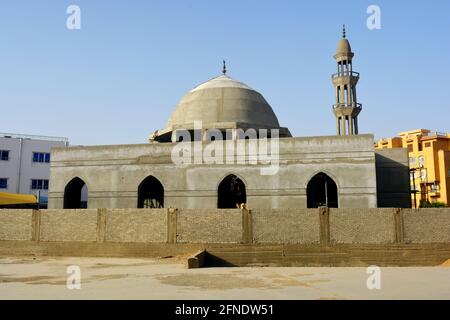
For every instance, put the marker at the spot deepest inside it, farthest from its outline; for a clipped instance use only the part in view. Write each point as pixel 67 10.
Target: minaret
pixel 345 80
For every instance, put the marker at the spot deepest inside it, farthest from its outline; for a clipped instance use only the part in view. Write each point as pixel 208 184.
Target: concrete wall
pixel 362 226
pixel 286 226
pixel 393 181
pixel 209 226
pixel 426 225
pixel 16 224
pixel 68 225
pixel 113 174
pixel 136 225
pixel 187 226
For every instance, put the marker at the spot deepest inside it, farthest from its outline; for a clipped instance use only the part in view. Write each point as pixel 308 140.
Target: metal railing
pixel 435 134
pixel 347 105
pixel 33 137
pixel 345 74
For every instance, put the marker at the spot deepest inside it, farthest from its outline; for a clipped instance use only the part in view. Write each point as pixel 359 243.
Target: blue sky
pixel 118 78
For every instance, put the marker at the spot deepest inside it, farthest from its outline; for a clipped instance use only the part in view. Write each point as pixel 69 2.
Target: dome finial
pixel 343 31
pixel 224 68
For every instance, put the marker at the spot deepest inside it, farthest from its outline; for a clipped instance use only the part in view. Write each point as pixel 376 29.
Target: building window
pixel 427 144
pixel 421 161
pixel 4 155
pixel 410 148
pixel 41 157
pixel 3 183
pixel 39 184
pixel 423 174
pixel 412 161
pixel 435 187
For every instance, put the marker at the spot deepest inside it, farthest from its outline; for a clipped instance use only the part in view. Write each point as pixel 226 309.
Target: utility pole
pixel 414 191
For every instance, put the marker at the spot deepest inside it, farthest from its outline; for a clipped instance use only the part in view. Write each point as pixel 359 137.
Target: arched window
pixel 76 194
pixel 231 193
pixel 150 193
pixel 322 191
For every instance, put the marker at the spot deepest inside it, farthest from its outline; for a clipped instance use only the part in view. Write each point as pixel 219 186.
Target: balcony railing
pixel 347 105
pixel 435 134
pixel 345 74
pixel 33 137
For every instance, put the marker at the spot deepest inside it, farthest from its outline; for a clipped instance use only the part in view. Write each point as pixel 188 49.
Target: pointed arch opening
pixel 322 191
pixel 150 193
pixel 231 193
pixel 76 194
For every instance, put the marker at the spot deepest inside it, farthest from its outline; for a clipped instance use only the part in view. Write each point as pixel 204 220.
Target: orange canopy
pixel 13 198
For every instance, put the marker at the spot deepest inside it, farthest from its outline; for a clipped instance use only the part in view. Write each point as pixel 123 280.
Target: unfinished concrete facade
pixel 335 171
pixel 113 174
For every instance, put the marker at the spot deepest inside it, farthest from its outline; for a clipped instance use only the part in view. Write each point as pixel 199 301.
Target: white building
pixel 25 163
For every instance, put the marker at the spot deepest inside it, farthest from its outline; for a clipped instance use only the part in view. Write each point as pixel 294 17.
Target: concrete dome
pixel 223 100
pixel 223 104
pixel 343 47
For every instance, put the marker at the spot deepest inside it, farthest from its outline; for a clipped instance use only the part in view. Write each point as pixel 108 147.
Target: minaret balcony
pixel 352 109
pixel 348 105
pixel 345 74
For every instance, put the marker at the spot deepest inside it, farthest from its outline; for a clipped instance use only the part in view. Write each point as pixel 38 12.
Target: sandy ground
pixel 114 278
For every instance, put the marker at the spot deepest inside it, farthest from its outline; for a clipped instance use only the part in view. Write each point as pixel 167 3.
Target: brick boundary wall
pixel 323 226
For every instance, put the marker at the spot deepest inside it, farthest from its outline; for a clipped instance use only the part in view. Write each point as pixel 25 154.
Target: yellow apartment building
pixel 429 163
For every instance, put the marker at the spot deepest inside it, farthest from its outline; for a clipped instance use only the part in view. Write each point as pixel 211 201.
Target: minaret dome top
pixel 344 50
